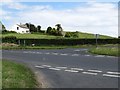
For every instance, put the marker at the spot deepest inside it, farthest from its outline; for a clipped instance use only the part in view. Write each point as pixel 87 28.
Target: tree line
pixel 58 31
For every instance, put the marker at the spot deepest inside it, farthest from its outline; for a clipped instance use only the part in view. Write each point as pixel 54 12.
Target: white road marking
pixel 89 73
pixel 29 51
pixel 79 69
pixel 47 53
pixel 55 69
pixel 111 75
pixel 38 52
pixel 39 66
pixel 113 72
pixel 86 55
pixel 33 52
pixel 75 54
pixel 71 71
pixel 100 56
pixel 63 54
pixel 98 71
pixel 61 67
pixel 46 65
pixel 111 56
pixel 25 52
pixel 55 53
pixel 77 50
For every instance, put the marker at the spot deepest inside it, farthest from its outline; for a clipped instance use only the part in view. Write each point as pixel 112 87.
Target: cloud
pixel 94 17
pixel 12 4
pixel 17 6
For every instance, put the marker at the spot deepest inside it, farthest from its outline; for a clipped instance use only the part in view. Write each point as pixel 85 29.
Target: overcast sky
pixel 94 16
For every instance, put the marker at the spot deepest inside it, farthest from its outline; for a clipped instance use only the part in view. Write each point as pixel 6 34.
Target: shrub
pixel 68 34
pixel 75 35
pixel 6 32
pixel 9 39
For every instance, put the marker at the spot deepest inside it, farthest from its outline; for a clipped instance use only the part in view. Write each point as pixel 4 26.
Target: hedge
pixel 59 41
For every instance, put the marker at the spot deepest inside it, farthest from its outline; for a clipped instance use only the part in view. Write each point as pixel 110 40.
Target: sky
pixel 91 16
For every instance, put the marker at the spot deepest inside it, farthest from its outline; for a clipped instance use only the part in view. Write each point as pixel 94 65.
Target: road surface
pixel 69 68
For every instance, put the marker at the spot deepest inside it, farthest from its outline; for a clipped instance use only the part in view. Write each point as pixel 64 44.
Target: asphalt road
pixel 69 68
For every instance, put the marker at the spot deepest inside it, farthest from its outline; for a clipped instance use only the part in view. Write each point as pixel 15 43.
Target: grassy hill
pixel 45 36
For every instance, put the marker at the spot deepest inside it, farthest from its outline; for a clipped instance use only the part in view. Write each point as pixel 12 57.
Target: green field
pixel 45 36
pixel 16 75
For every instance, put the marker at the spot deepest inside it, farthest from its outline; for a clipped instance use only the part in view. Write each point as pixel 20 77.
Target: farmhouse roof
pixel 23 26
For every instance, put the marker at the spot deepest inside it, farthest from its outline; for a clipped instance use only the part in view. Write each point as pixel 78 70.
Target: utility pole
pixel 29 26
pixel 96 36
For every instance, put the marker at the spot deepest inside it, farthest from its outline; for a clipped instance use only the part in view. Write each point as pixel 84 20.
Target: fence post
pixel 24 42
pixel 19 42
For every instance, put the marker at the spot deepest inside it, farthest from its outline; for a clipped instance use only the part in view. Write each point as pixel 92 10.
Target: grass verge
pixel 111 50
pixel 16 75
pixel 8 46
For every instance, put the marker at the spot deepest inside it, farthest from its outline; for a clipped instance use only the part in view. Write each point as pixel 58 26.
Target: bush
pixel 75 35
pixel 9 39
pixel 68 34
pixel 72 34
pixel 6 32
pixel 53 32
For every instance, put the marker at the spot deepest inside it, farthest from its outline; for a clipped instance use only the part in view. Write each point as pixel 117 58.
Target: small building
pixel 20 28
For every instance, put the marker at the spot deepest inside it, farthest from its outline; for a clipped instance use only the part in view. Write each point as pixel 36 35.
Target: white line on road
pixel 46 65
pixel 79 69
pixel 25 52
pixel 71 71
pixel 89 73
pixel 98 71
pixel 38 53
pixel 111 56
pixel 100 56
pixel 86 55
pixel 75 54
pixel 55 53
pixel 113 72
pixel 39 66
pixel 47 53
pixel 54 69
pixel 61 67
pixel 111 75
pixel 33 52
pixel 77 50
pixel 63 54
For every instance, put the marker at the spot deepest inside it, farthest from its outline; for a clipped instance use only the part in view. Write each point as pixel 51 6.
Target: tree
pixel 3 27
pixel 38 28
pixel 49 30
pixel 59 28
pixel 31 27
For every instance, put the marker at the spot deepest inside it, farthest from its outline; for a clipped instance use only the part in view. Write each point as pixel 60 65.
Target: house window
pixel 27 31
pixel 17 28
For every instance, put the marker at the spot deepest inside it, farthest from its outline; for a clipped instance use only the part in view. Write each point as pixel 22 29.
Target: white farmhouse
pixel 20 28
